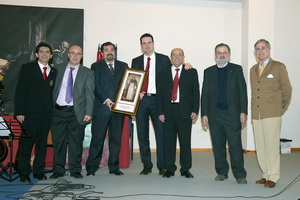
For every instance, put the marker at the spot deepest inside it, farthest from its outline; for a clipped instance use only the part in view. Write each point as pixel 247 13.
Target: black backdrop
pixel 22 28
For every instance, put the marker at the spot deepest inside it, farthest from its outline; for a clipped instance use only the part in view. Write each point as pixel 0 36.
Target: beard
pixel 110 57
pixel 222 61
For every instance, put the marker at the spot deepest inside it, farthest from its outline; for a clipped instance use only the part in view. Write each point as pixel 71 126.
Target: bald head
pixel 75 55
pixel 177 57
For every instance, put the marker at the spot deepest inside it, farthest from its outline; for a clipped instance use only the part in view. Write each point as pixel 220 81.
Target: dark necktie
pixel 112 71
pixel 45 73
pixel 147 78
pixel 175 86
pixel 69 89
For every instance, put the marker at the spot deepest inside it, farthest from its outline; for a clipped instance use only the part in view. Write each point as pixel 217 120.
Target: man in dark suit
pixel 147 107
pixel 224 108
pixel 177 105
pixel 71 114
pixel 108 74
pixel 33 109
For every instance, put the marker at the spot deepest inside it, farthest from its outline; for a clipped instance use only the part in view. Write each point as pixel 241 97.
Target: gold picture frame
pixel 131 85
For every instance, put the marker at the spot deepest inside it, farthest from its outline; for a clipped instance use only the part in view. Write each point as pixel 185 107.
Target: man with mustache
pixel 108 74
pixel 224 110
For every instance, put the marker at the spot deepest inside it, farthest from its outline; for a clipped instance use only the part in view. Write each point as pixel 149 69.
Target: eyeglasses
pixel 74 53
pixel 261 48
pixel 222 53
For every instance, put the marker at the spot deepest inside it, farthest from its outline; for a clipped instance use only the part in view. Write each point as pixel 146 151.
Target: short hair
pixel 43 44
pixel 263 40
pixel 222 45
pixel 107 44
pixel 146 35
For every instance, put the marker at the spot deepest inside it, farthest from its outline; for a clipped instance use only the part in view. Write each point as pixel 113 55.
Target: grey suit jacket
pixel 83 92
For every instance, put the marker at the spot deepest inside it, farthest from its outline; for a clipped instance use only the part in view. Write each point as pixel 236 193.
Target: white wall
pixel 194 25
pixel 287 40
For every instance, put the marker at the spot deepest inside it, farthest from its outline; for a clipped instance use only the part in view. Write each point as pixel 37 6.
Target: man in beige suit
pixel 271 95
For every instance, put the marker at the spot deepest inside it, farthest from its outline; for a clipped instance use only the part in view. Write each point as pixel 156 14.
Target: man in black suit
pixel 147 107
pixel 33 109
pixel 108 74
pixel 224 109
pixel 178 104
pixel 71 114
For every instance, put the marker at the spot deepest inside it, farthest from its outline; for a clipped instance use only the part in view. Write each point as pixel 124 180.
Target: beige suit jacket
pixel 271 92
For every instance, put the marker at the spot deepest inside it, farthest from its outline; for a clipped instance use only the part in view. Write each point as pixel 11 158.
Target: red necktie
pixel 175 86
pixel 147 78
pixel 45 73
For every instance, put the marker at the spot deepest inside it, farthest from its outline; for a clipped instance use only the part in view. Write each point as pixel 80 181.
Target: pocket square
pixel 270 76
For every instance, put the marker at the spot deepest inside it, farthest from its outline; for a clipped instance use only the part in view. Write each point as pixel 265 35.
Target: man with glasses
pixel 224 110
pixel 271 95
pixel 73 95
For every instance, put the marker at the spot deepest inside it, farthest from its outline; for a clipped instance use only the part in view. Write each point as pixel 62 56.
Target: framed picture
pixel 128 98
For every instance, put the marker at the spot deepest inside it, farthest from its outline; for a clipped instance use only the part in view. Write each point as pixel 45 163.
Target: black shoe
pixel 168 174
pixel 90 173
pixel 187 174
pixel 24 178
pixel 146 171
pixel 56 175
pixel 220 177
pixel 161 171
pixel 241 180
pixel 77 175
pixel 116 172
pixel 40 176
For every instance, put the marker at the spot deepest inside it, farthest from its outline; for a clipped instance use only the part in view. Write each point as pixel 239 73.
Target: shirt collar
pixel 223 66
pixel 41 65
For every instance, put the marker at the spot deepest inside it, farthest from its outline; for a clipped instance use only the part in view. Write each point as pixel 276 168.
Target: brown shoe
pixel 261 181
pixel 270 184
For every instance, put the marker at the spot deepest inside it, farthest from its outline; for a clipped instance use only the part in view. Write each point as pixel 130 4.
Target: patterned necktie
pixel 175 86
pixel 112 71
pixel 147 78
pixel 69 90
pixel 261 69
pixel 45 73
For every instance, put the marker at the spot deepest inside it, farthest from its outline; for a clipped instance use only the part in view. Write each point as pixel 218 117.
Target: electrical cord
pixel 63 188
pixel 210 197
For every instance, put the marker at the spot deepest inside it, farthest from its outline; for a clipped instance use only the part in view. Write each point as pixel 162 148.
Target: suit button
pixel 257 89
pixel 258 97
pixel 258 81
pixel 257 105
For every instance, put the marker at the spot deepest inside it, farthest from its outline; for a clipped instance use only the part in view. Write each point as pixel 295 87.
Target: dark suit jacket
pixel 83 93
pixel 161 62
pixel 236 92
pixel 33 96
pixel 106 85
pixel 188 91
